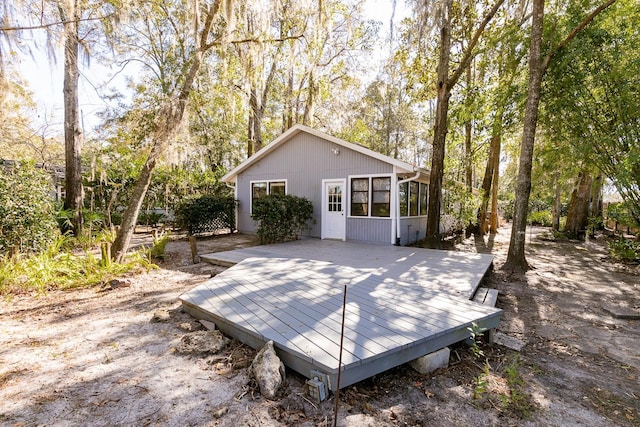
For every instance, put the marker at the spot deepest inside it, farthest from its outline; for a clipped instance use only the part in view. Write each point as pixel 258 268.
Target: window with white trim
pixel 424 195
pixel 360 196
pixel 381 196
pixel 264 188
pixel 412 197
pixel 371 196
pixel 403 196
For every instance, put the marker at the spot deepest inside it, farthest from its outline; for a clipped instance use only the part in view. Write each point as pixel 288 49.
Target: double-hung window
pixel 263 188
pixel 371 196
pixel 360 196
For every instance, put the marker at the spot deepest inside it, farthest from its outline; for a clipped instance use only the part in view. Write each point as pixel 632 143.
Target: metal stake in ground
pixel 344 308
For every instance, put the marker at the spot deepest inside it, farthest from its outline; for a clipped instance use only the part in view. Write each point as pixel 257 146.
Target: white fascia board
pixel 401 167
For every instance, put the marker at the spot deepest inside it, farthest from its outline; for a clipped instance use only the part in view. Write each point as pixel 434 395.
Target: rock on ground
pixel 268 370
pixel 200 342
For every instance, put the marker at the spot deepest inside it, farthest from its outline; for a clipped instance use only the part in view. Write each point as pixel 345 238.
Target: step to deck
pixel 486 296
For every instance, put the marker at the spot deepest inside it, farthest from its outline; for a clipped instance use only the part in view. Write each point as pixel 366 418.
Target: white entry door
pixel 333 209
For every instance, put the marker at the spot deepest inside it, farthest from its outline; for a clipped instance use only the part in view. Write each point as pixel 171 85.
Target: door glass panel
pixel 334 198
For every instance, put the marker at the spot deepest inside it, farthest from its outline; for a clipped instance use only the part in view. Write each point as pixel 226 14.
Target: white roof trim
pixel 402 167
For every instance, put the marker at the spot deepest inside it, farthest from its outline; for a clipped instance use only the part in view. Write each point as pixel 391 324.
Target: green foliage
pixel 206 214
pixel 517 400
pixel 281 218
pixel 506 208
pixel 159 248
pixel 481 382
pixel 594 223
pixel 150 218
pixel 475 336
pixel 487 383
pixel 27 214
pixel 505 390
pixel 542 218
pixel 59 268
pixel 591 103
pixel 624 250
pixel 116 170
pixel 460 205
pixel 622 214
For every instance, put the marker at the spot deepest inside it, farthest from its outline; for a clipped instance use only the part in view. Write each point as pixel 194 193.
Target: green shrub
pixel 159 248
pixel 624 250
pixel 206 214
pixel 281 218
pixel 622 213
pixel 149 218
pixel 116 218
pixel 27 213
pixel 506 208
pixel 543 218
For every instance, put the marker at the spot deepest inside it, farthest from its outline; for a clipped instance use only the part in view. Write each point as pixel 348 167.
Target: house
pixel 357 194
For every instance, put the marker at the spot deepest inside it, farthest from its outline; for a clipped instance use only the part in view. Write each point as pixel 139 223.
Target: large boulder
pixel 268 370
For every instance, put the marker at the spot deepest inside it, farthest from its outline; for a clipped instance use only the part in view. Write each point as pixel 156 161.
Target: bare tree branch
pixel 53 24
pixel 251 40
pixel 469 54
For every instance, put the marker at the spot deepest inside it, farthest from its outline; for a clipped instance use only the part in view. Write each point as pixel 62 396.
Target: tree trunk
pixel 485 191
pixel 165 126
pixel 595 210
pixel 307 118
pixel 287 118
pixel 261 103
pixel 578 210
pixel 557 204
pixel 257 125
pixel 72 133
pixel 495 223
pixel 516 260
pixel 251 127
pixel 467 136
pixel 4 84
pixel 493 162
pixel 440 130
pixel 130 216
pixel 445 83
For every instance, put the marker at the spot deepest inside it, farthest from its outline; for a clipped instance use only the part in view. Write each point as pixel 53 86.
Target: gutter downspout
pixel 398 229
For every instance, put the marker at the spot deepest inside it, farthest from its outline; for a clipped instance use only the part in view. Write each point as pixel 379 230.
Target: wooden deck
pixel 457 273
pixel 402 303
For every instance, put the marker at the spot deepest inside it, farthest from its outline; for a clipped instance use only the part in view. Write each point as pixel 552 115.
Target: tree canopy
pixel 444 88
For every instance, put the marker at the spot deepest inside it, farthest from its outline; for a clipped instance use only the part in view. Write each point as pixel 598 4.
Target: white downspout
pixel 398 228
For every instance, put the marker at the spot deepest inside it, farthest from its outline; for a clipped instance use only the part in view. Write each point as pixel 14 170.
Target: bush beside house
pixel 281 218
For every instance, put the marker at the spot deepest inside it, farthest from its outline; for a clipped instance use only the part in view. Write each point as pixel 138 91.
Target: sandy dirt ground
pixel 112 357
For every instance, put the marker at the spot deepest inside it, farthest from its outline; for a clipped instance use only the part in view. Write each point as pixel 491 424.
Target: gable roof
pixel 402 167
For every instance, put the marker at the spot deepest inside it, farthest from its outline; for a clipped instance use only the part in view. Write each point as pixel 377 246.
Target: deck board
pixel 398 303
